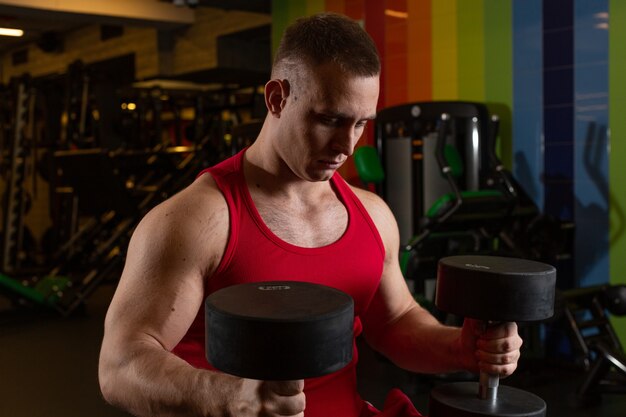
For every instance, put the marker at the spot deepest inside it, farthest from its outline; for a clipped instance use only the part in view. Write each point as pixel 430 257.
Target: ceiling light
pixel 396 13
pixel 11 32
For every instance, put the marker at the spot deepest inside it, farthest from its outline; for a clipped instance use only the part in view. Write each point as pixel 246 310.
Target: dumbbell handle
pixel 488 386
pixel 488 383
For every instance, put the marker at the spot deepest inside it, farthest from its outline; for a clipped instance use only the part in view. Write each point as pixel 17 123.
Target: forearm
pixel 419 343
pixel 149 381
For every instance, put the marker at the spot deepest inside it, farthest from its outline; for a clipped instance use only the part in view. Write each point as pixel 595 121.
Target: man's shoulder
pixel 376 207
pixel 370 200
pixel 201 199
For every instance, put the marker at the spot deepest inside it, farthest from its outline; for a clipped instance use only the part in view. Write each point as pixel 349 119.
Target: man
pixel 280 211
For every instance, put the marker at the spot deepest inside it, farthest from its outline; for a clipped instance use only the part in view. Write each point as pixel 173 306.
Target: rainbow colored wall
pixel 551 69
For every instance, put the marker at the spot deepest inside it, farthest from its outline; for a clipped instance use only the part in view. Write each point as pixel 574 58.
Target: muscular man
pixel 279 211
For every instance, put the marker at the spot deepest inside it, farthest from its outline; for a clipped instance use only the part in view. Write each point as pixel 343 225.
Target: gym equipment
pixel 459 221
pixel 437 160
pixel 451 194
pixel 45 292
pixel 244 134
pixel 81 125
pixel 279 330
pixel 368 166
pixel 107 157
pixel 406 138
pixel 13 235
pixel 113 205
pixel 97 248
pixel 483 211
pixel 594 341
pixel 491 288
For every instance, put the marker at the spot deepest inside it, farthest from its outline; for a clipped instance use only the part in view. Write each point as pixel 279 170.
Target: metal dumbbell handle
pixel 488 383
pixel 488 386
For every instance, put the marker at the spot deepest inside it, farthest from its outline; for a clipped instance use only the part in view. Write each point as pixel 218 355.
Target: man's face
pixel 324 117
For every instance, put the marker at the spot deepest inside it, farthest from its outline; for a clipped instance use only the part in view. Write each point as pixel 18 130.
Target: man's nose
pixel 346 140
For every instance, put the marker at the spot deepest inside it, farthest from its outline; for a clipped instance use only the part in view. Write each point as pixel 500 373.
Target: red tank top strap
pixel 346 195
pixel 228 176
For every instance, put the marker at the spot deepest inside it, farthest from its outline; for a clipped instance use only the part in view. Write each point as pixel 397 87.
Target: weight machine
pixel 450 193
pixel 98 195
pixel 597 349
pixel 96 248
pixel 19 139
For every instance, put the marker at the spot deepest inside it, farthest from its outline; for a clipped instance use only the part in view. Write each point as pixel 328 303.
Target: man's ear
pixel 276 93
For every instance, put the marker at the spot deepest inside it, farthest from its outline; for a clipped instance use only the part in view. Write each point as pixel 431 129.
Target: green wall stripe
pixel 498 36
pixel 315 6
pixel 297 8
pixel 617 155
pixel 471 50
pixel 285 12
pixel 280 20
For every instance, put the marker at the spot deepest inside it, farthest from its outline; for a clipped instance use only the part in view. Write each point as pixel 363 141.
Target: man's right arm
pixel 172 252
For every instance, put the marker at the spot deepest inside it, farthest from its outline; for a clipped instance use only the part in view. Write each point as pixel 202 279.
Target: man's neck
pixel 265 172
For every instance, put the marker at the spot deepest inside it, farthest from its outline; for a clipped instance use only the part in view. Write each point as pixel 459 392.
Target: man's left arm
pixel 399 328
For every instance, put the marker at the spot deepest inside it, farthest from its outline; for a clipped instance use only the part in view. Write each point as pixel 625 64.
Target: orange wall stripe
pixel 337 6
pixel 419 50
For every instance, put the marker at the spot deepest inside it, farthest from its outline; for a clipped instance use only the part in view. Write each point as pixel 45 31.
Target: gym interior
pixel 499 133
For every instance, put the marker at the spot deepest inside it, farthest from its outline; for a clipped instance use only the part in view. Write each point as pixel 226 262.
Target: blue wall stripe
pixel 558 118
pixel 591 40
pixel 527 97
pixel 558 107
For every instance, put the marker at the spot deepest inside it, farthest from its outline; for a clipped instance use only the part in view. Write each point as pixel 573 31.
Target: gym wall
pixel 195 47
pixel 85 44
pixel 549 68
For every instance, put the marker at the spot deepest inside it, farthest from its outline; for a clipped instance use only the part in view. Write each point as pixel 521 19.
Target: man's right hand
pixel 270 398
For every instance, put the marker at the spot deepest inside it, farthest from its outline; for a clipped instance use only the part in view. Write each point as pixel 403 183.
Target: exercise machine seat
pixel 368 165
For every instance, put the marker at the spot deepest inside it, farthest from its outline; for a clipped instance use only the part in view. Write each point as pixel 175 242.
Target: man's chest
pixel 305 225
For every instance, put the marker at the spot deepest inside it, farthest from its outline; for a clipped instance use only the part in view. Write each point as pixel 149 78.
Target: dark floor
pixel 48 368
pixel 48 364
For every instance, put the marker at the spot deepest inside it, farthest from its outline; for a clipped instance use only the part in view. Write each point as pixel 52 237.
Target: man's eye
pixel 330 121
pixel 362 123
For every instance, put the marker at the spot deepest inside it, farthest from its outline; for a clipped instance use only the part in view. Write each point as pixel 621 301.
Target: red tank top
pixel 353 264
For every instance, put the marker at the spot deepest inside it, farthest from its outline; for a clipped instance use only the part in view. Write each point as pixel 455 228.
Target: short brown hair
pixel 328 37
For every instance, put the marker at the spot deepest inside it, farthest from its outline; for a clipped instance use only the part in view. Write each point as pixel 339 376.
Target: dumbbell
pixel 279 330
pixel 493 289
